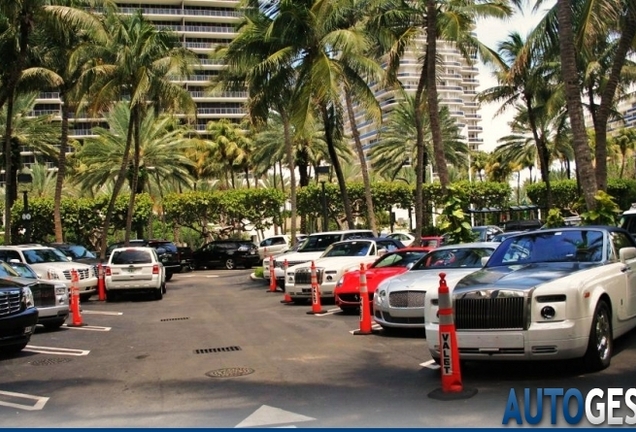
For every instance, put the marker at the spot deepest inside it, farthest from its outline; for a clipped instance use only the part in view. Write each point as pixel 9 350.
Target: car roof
pixel 340 232
pixel 468 245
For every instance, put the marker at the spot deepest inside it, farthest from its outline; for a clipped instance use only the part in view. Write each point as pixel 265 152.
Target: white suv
pixel 313 246
pixel 51 264
pixel 135 269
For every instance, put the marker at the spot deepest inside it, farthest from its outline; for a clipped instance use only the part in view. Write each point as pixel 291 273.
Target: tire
pixel 85 297
pixel 168 276
pixel 54 325
pixel 158 294
pixel 600 345
pixel 229 264
pixel 163 288
pixel 14 349
pixel 110 296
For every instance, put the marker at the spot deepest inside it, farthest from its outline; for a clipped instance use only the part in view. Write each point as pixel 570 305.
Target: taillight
pixel 155 269
pixel 107 271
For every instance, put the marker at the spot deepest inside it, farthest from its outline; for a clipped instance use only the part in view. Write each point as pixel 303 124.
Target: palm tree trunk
pixel 335 162
pixel 9 197
pixel 431 93
pixel 607 98
pixel 363 164
pixel 582 152
pixel 420 164
pixel 119 182
pixel 61 173
pixel 135 176
pixel 542 150
pixel 289 153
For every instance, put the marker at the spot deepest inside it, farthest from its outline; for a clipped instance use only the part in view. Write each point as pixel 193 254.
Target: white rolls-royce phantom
pixel 548 294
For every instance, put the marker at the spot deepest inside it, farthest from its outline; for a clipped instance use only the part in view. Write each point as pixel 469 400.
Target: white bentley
pixel 549 294
pixel 338 259
pixel 399 300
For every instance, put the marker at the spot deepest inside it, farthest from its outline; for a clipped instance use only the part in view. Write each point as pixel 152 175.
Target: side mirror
pixel 627 253
pixel 69 258
pixel 15 260
pixel 484 260
pixel 382 251
pixel 410 265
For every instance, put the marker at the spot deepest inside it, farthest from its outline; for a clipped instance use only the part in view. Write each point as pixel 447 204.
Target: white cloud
pixel 491 32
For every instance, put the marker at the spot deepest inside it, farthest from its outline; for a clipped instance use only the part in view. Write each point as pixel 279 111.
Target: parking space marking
pixel 96 312
pixel 212 276
pixel 88 327
pixel 329 312
pixel 39 401
pixel 430 365
pixel 56 351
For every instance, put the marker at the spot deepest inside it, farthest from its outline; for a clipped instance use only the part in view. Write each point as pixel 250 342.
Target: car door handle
pixel 626 269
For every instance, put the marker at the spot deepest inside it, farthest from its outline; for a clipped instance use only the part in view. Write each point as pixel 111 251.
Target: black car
pixel 166 250
pixel 226 253
pixel 18 315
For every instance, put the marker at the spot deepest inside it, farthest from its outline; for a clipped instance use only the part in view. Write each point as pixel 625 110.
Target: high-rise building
pixel 457 89
pixel 202 25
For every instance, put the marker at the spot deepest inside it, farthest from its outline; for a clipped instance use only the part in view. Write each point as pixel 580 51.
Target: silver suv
pixel 51 264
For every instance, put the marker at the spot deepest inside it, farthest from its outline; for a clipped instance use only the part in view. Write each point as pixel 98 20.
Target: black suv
pixel 18 315
pixel 166 250
pixel 226 253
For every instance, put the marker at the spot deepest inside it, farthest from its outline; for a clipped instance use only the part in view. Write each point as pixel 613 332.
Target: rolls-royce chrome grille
pixel 490 312
pixel 303 276
pixel 407 299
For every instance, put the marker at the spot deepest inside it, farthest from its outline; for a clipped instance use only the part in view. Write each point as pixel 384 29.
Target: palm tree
pixel 142 61
pixel 625 141
pixel 228 141
pixel 162 159
pixel 66 53
pixel 21 19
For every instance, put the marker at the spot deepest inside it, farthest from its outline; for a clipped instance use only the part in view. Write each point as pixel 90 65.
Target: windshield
pixel 354 248
pixel 38 256
pixel 399 259
pixel 7 271
pixel 77 252
pixel 318 243
pixel 468 257
pixel 556 246
pixel 23 270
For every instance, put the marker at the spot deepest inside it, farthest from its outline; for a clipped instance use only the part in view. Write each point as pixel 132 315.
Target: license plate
pixel 306 290
pixel 131 270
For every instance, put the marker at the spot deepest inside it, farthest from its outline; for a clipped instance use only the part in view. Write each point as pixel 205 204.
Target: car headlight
pixel 51 273
pixel 61 290
pixel 340 282
pixel 27 298
pixel 379 296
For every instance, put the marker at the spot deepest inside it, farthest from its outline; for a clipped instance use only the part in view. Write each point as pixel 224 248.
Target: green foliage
pixel 554 219
pixel 258 272
pixel 606 211
pixel 565 194
pixel 453 220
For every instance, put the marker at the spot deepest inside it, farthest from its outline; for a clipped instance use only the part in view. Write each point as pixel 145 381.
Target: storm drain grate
pixel 175 319
pixel 230 372
pixel 216 350
pixel 50 361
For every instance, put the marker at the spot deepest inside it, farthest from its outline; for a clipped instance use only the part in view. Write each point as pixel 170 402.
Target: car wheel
pixel 85 297
pixel 229 264
pixel 168 276
pixel 14 349
pixel 158 294
pixel 163 288
pixel 599 348
pixel 54 325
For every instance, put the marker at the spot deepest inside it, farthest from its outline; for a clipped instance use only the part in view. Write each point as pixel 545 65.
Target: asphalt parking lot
pixel 221 351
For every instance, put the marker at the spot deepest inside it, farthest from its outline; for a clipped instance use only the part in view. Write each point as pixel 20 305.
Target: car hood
pixel 521 277
pixel 415 280
pixel 299 256
pixel 343 261
pixel 59 265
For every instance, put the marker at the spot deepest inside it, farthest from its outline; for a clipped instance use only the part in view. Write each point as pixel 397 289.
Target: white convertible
pixel 399 300
pixel 338 259
pixel 548 294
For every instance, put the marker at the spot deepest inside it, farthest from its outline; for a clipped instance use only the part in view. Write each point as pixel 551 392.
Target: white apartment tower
pixel 202 25
pixel 457 88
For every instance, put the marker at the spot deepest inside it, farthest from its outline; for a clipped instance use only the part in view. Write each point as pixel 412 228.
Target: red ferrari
pixel 347 292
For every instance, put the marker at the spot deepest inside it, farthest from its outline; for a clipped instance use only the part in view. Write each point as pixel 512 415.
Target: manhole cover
pixel 230 372
pixel 175 319
pixel 50 361
pixel 217 350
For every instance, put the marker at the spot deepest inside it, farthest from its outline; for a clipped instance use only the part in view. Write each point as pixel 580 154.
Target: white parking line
pixel 95 312
pixel 430 364
pixel 329 312
pixel 212 276
pixel 39 404
pixel 186 276
pixel 87 327
pixel 56 351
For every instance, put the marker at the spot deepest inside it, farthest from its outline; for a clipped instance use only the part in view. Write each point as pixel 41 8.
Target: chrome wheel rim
pixel 229 264
pixel 602 334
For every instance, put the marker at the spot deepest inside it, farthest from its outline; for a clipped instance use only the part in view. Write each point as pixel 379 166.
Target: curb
pixel 255 278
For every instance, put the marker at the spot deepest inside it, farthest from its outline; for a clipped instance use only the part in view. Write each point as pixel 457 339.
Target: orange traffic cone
pixel 316 308
pixel 365 307
pixel 75 302
pixel 101 283
pixel 287 299
pixel 272 275
pixel 452 387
